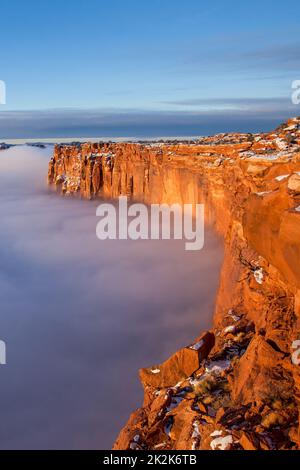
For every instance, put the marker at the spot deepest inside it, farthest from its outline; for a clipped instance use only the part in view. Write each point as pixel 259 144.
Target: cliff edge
pixel 236 386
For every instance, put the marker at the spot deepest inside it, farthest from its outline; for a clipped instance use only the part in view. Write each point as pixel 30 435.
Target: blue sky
pixel 136 67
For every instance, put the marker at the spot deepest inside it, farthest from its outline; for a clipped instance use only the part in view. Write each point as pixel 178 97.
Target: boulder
pixel 294 183
pixel 179 366
pixel 259 375
pixel 256 169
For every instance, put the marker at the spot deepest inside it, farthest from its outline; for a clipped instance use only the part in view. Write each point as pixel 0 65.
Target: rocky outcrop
pixel 179 366
pixel 235 387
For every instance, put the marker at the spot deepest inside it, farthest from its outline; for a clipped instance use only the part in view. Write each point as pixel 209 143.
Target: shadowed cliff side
pixel 235 387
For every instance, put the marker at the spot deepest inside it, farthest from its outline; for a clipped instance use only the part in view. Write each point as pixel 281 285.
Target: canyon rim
pixel 237 385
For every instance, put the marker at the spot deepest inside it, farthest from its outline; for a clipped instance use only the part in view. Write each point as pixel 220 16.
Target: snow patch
pixel 195 435
pixel 263 193
pixel 281 177
pixel 196 432
pixel 270 157
pixel 221 443
pixel 281 144
pixel 198 345
pixel 229 329
pixel 216 367
pixel 233 315
pixel 158 446
pixel 216 433
pixel 259 275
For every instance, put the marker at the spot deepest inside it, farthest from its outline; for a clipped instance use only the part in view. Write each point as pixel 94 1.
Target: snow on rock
pixel 230 329
pixel 269 157
pixel 263 193
pixel 217 433
pixel 221 443
pixel 195 435
pixel 281 143
pixel 155 371
pixel 177 385
pixel 259 275
pixel 160 445
pixel 216 367
pixel 60 179
pixel 281 177
pixel 194 382
pixel 198 345
pixel 233 315
pixel 196 432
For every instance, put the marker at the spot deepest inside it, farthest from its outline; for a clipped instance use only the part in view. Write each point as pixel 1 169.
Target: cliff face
pixel 237 386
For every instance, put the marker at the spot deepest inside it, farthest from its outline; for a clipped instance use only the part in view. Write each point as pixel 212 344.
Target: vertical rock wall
pixel 235 387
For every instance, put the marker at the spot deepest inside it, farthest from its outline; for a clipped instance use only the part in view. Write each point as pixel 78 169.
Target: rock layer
pixel 235 387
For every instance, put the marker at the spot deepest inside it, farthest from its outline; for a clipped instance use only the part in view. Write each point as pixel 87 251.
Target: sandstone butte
pixel 238 385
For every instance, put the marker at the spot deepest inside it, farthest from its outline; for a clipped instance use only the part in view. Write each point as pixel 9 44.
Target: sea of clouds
pixel 80 316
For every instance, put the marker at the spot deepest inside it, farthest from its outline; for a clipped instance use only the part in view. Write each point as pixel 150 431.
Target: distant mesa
pixel 4 146
pixel 36 144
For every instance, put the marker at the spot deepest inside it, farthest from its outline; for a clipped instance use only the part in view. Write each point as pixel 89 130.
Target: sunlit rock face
pixel 244 393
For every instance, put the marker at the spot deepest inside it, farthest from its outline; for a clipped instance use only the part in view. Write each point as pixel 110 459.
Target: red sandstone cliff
pixel 235 387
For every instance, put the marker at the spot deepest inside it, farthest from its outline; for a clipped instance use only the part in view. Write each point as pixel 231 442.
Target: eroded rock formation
pixel 237 386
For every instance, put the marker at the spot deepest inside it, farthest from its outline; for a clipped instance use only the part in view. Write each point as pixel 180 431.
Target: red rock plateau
pixel 238 385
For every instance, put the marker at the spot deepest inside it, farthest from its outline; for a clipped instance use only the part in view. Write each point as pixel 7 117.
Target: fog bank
pixel 80 316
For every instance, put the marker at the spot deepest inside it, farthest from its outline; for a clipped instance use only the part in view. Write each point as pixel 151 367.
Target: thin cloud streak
pixel 213 115
pixel 250 104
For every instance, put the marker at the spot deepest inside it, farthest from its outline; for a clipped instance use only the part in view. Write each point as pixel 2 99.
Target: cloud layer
pixel 80 316
pixel 188 117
